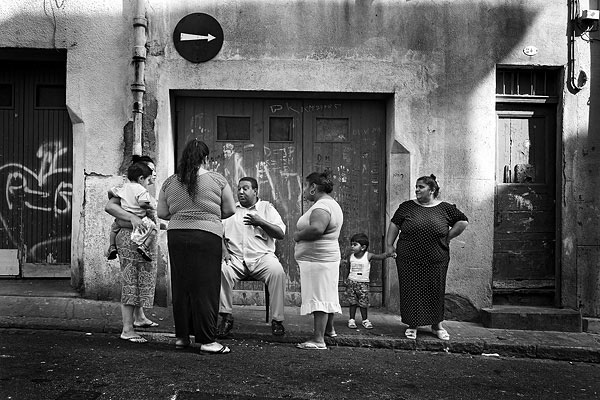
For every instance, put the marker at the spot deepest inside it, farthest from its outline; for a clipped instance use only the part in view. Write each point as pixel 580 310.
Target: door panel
pixel 281 172
pixel 11 95
pixel 525 225
pixel 346 138
pixel 238 133
pixel 36 169
pixel 287 140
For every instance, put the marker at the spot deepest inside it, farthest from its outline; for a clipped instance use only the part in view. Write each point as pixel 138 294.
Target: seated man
pixel 249 250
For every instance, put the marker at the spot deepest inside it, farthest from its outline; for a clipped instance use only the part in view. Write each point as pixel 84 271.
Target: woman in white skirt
pixel 318 255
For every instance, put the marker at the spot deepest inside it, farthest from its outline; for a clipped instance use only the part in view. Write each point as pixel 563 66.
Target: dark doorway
pixel 35 168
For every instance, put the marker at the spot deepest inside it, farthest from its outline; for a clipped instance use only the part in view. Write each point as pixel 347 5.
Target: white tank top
pixel 360 268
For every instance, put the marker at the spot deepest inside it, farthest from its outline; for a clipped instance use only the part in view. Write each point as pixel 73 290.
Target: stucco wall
pixel 434 59
pixel 96 36
pixel 581 195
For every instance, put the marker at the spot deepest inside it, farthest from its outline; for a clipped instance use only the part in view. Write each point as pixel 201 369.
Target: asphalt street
pixel 75 365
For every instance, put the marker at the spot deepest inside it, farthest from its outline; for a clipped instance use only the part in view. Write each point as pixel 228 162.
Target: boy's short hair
pixel 361 239
pixel 138 169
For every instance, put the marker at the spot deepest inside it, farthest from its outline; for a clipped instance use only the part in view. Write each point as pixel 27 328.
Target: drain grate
pixel 73 394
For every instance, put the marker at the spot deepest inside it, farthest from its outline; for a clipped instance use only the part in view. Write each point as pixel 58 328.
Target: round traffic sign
pixel 198 37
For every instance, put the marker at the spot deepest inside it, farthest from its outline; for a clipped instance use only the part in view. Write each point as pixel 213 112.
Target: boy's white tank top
pixel 360 268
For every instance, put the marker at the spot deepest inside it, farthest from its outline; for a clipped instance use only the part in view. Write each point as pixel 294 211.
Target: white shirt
pixel 132 195
pixel 360 268
pixel 247 242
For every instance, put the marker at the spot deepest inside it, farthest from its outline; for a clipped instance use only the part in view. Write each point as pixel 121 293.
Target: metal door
pixel 525 226
pixel 280 141
pixel 35 170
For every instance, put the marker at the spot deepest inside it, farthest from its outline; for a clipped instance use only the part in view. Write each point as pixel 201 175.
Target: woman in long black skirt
pixel 194 200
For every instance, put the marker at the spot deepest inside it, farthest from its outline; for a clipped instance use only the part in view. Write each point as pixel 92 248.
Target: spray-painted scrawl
pixel 35 212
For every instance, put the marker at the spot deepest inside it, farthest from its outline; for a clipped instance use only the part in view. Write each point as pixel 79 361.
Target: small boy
pixel 136 199
pixel 357 284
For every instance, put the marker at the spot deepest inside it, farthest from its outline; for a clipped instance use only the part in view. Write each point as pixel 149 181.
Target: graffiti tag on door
pixel 276 171
pixel 35 212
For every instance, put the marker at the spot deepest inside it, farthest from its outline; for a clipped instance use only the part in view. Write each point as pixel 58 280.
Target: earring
pixel 312 192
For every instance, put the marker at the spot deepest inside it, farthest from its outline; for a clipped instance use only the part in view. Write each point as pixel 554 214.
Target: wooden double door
pixel 280 141
pixel 525 205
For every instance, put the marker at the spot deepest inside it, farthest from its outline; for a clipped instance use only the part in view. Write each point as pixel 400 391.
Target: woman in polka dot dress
pixel 424 228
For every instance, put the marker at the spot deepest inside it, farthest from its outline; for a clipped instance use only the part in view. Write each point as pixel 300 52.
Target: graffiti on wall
pixel 275 172
pixel 44 196
pixel 307 108
pixel 233 162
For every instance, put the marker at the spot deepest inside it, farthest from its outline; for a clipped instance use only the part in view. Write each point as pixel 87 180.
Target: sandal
pixel 144 252
pixel 351 324
pixel 411 333
pixel 441 334
pixel 331 334
pixel 223 350
pixel 277 328
pixel 149 324
pixel 311 346
pixel 367 324
pixel 112 252
pixel 134 339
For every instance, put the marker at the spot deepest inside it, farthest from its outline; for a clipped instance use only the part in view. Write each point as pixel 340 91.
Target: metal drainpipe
pixel 140 24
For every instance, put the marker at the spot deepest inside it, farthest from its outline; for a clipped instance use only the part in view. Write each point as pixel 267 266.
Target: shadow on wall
pixel 401 32
pixel 582 159
pixel 580 241
pixel 459 308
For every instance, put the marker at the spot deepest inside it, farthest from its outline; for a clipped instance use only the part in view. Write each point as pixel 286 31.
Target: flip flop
pixel 411 333
pixel 441 334
pixel 222 350
pixel 150 324
pixel 311 346
pixel 134 339
pixel 331 334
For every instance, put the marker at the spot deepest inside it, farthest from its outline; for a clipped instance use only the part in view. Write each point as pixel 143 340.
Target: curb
pixel 477 348
pixel 92 316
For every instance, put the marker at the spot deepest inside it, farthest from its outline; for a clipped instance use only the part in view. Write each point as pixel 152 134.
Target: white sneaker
pixel 351 324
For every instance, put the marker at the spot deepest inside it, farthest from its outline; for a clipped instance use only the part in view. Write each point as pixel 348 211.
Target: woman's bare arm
pixel 319 220
pixel 457 229
pixel 390 237
pixel 227 202
pixel 113 207
pixel 162 208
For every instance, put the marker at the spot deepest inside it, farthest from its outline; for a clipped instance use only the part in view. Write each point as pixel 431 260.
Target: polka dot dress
pixel 423 258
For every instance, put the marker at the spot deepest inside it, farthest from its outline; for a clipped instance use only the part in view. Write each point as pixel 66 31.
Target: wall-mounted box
pixel 588 9
pixel 590 15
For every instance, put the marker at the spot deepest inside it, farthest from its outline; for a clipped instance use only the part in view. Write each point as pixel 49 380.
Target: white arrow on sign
pixel 189 36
